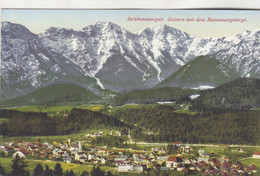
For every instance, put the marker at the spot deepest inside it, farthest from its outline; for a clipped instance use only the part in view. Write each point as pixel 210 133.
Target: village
pixel 130 160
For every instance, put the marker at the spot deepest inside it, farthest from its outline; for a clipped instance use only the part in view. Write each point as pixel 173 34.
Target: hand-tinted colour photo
pixel 129 92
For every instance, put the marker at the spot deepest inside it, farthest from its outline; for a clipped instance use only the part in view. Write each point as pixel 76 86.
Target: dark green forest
pixel 242 93
pixel 151 96
pixel 57 94
pixel 40 124
pixel 20 168
pixel 220 115
pixel 162 124
pixel 159 123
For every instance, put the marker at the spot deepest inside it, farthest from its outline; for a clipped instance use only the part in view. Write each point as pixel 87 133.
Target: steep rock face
pixel 27 65
pixel 106 56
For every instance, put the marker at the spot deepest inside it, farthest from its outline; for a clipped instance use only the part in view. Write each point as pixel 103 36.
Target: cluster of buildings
pixel 128 160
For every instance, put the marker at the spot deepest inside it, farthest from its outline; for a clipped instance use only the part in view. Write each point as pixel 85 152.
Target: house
pixel 48 146
pixel 180 167
pixel 103 160
pixel 226 166
pixel 20 154
pixel 136 155
pixel 177 144
pixel 121 158
pixel 98 134
pixel 138 168
pixel 256 154
pixel 253 168
pixel 190 161
pixel 192 167
pixel 215 163
pixel 186 148
pixel 200 152
pixel 82 159
pixel 162 159
pixel 205 155
pixel 91 156
pixel 92 148
pixel 63 146
pixel 206 160
pixel 120 152
pixel 101 151
pixel 67 159
pixel 242 150
pixel 174 161
pixel 130 168
pixel 155 150
pixel 80 156
pixel 56 151
pixel 76 147
pixel 125 168
pixel 162 151
pixel 4 149
pixel 109 152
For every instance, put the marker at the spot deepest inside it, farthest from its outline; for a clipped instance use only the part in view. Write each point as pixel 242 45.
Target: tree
pixel 96 171
pixel 47 171
pixel 66 173
pixel 71 173
pixel 109 173
pixel 18 167
pixel 38 171
pixel 57 170
pixel 84 173
pixel 2 171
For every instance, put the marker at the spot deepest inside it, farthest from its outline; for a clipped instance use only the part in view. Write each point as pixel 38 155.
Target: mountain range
pixel 106 56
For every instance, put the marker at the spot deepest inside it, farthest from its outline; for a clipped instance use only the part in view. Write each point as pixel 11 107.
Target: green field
pixel 57 109
pixel 50 139
pixel 249 161
pixel 77 168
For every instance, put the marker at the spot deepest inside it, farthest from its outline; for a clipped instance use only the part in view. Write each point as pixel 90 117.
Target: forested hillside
pixel 162 124
pixel 243 93
pixel 58 94
pixel 40 124
pixel 150 96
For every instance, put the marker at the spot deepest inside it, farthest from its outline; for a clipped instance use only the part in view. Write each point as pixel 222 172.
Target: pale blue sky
pixel 39 20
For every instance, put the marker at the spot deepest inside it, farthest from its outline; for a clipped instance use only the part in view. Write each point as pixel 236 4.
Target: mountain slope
pixel 203 70
pixel 240 93
pixel 54 95
pixel 27 65
pixel 151 96
pixel 106 56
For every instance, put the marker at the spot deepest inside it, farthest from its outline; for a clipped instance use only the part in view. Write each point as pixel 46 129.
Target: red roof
pixel 256 153
pixel 25 152
pixel 75 145
pixel 175 159
pixel 253 167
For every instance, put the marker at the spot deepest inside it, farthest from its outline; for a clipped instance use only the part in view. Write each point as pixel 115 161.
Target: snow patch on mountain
pixel 203 87
pixel 153 54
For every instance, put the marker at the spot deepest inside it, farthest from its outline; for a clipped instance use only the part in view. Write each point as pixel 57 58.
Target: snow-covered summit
pixel 116 58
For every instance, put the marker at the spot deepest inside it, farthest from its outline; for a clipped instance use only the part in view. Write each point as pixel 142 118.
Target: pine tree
pixel 47 171
pixel 2 171
pixel 18 167
pixel 57 170
pixel 109 174
pixel 38 171
pixel 96 171
pixel 84 173
pixel 71 173
pixel 66 173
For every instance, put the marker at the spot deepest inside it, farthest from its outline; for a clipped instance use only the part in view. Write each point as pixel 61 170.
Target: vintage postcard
pixel 129 92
